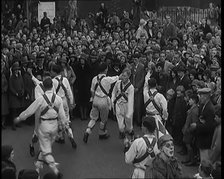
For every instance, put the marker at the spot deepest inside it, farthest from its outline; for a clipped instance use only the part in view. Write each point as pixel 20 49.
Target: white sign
pixel 48 7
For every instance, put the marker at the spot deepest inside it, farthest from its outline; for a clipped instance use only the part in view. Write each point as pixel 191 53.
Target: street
pixel 96 159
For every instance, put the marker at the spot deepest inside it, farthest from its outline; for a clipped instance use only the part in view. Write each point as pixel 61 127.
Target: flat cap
pixel 163 139
pixel 204 91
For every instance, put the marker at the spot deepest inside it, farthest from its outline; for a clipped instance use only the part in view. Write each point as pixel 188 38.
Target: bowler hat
pixel 15 66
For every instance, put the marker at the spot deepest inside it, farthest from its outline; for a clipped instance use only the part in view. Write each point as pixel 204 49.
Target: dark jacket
pixel 180 112
pixel 16 88
pixel 185 82
pixel 161 169
pixel 204 130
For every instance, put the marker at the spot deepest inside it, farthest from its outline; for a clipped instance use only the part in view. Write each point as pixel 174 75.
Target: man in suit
pixel 205 126
pixel 137 79
pixel 183 78
pixel 169 29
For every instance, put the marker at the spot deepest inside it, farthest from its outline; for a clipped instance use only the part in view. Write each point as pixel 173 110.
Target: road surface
pixel 96 159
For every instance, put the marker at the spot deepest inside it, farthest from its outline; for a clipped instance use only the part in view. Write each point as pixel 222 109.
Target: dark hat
pixel 28 174
pixel 148 51
pixel 136 55
pixel 204 91
pixel 15 66
pixel 163 139
pixel 6 151
pixel 193 72
pixel 149 123
pixel 41 54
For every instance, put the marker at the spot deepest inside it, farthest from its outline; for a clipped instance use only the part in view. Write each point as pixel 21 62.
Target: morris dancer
pixel 156 106
pixel 49 109
pixel 123 100
pixel 101 102
pixel 63 89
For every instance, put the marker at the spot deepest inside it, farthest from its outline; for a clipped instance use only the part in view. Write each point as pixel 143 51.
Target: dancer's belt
pixel 151 114
pixel 50 119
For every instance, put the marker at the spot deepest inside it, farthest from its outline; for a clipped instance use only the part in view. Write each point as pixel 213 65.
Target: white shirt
pixel 40 104
pixel 138 148
pixel 61 92
pixel 160 101
pixel 105 82
pixel 129 93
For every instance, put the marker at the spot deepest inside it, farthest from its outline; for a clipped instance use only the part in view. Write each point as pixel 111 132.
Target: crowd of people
pixel 184 60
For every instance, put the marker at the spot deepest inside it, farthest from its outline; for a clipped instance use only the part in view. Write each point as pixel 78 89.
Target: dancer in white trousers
pixel 143 149
pixel 101 103
pixel 49 108
pixel 156 106
pixel 123 106
pixel 63 89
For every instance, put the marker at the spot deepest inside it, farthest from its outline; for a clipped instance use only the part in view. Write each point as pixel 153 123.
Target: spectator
pixel 4 103
pixel 165 165
pixel 28 174
pixel 138 78
pixel 204 128
pixel 16 95
pixel 215 155
pixel 45 21
pixel 169 29
pixel 188 135
pixel 205 170
pixel 141 30
pixel 8 167
pixel 179 118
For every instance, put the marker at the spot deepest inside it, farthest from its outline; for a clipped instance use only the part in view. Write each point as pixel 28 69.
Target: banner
pixel 48 7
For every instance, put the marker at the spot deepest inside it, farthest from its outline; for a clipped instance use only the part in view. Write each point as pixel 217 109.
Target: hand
pixel 16 120
pixel 193 125
pixel 29 70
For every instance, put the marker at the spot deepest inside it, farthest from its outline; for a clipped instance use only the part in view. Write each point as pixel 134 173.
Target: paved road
pixel 96 159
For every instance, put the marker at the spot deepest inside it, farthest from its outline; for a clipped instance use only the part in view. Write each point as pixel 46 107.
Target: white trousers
pixel 138 173
pixel 124 124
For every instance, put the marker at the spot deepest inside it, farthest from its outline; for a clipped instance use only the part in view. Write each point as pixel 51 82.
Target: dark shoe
pixel 18 125
pixel 105 136
pixel 59 176
pixel 32 152
pixel 121 135
pixel 85 137
pixel 74 145
pixel 191 164
pixel 14 128
pixel 60 141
